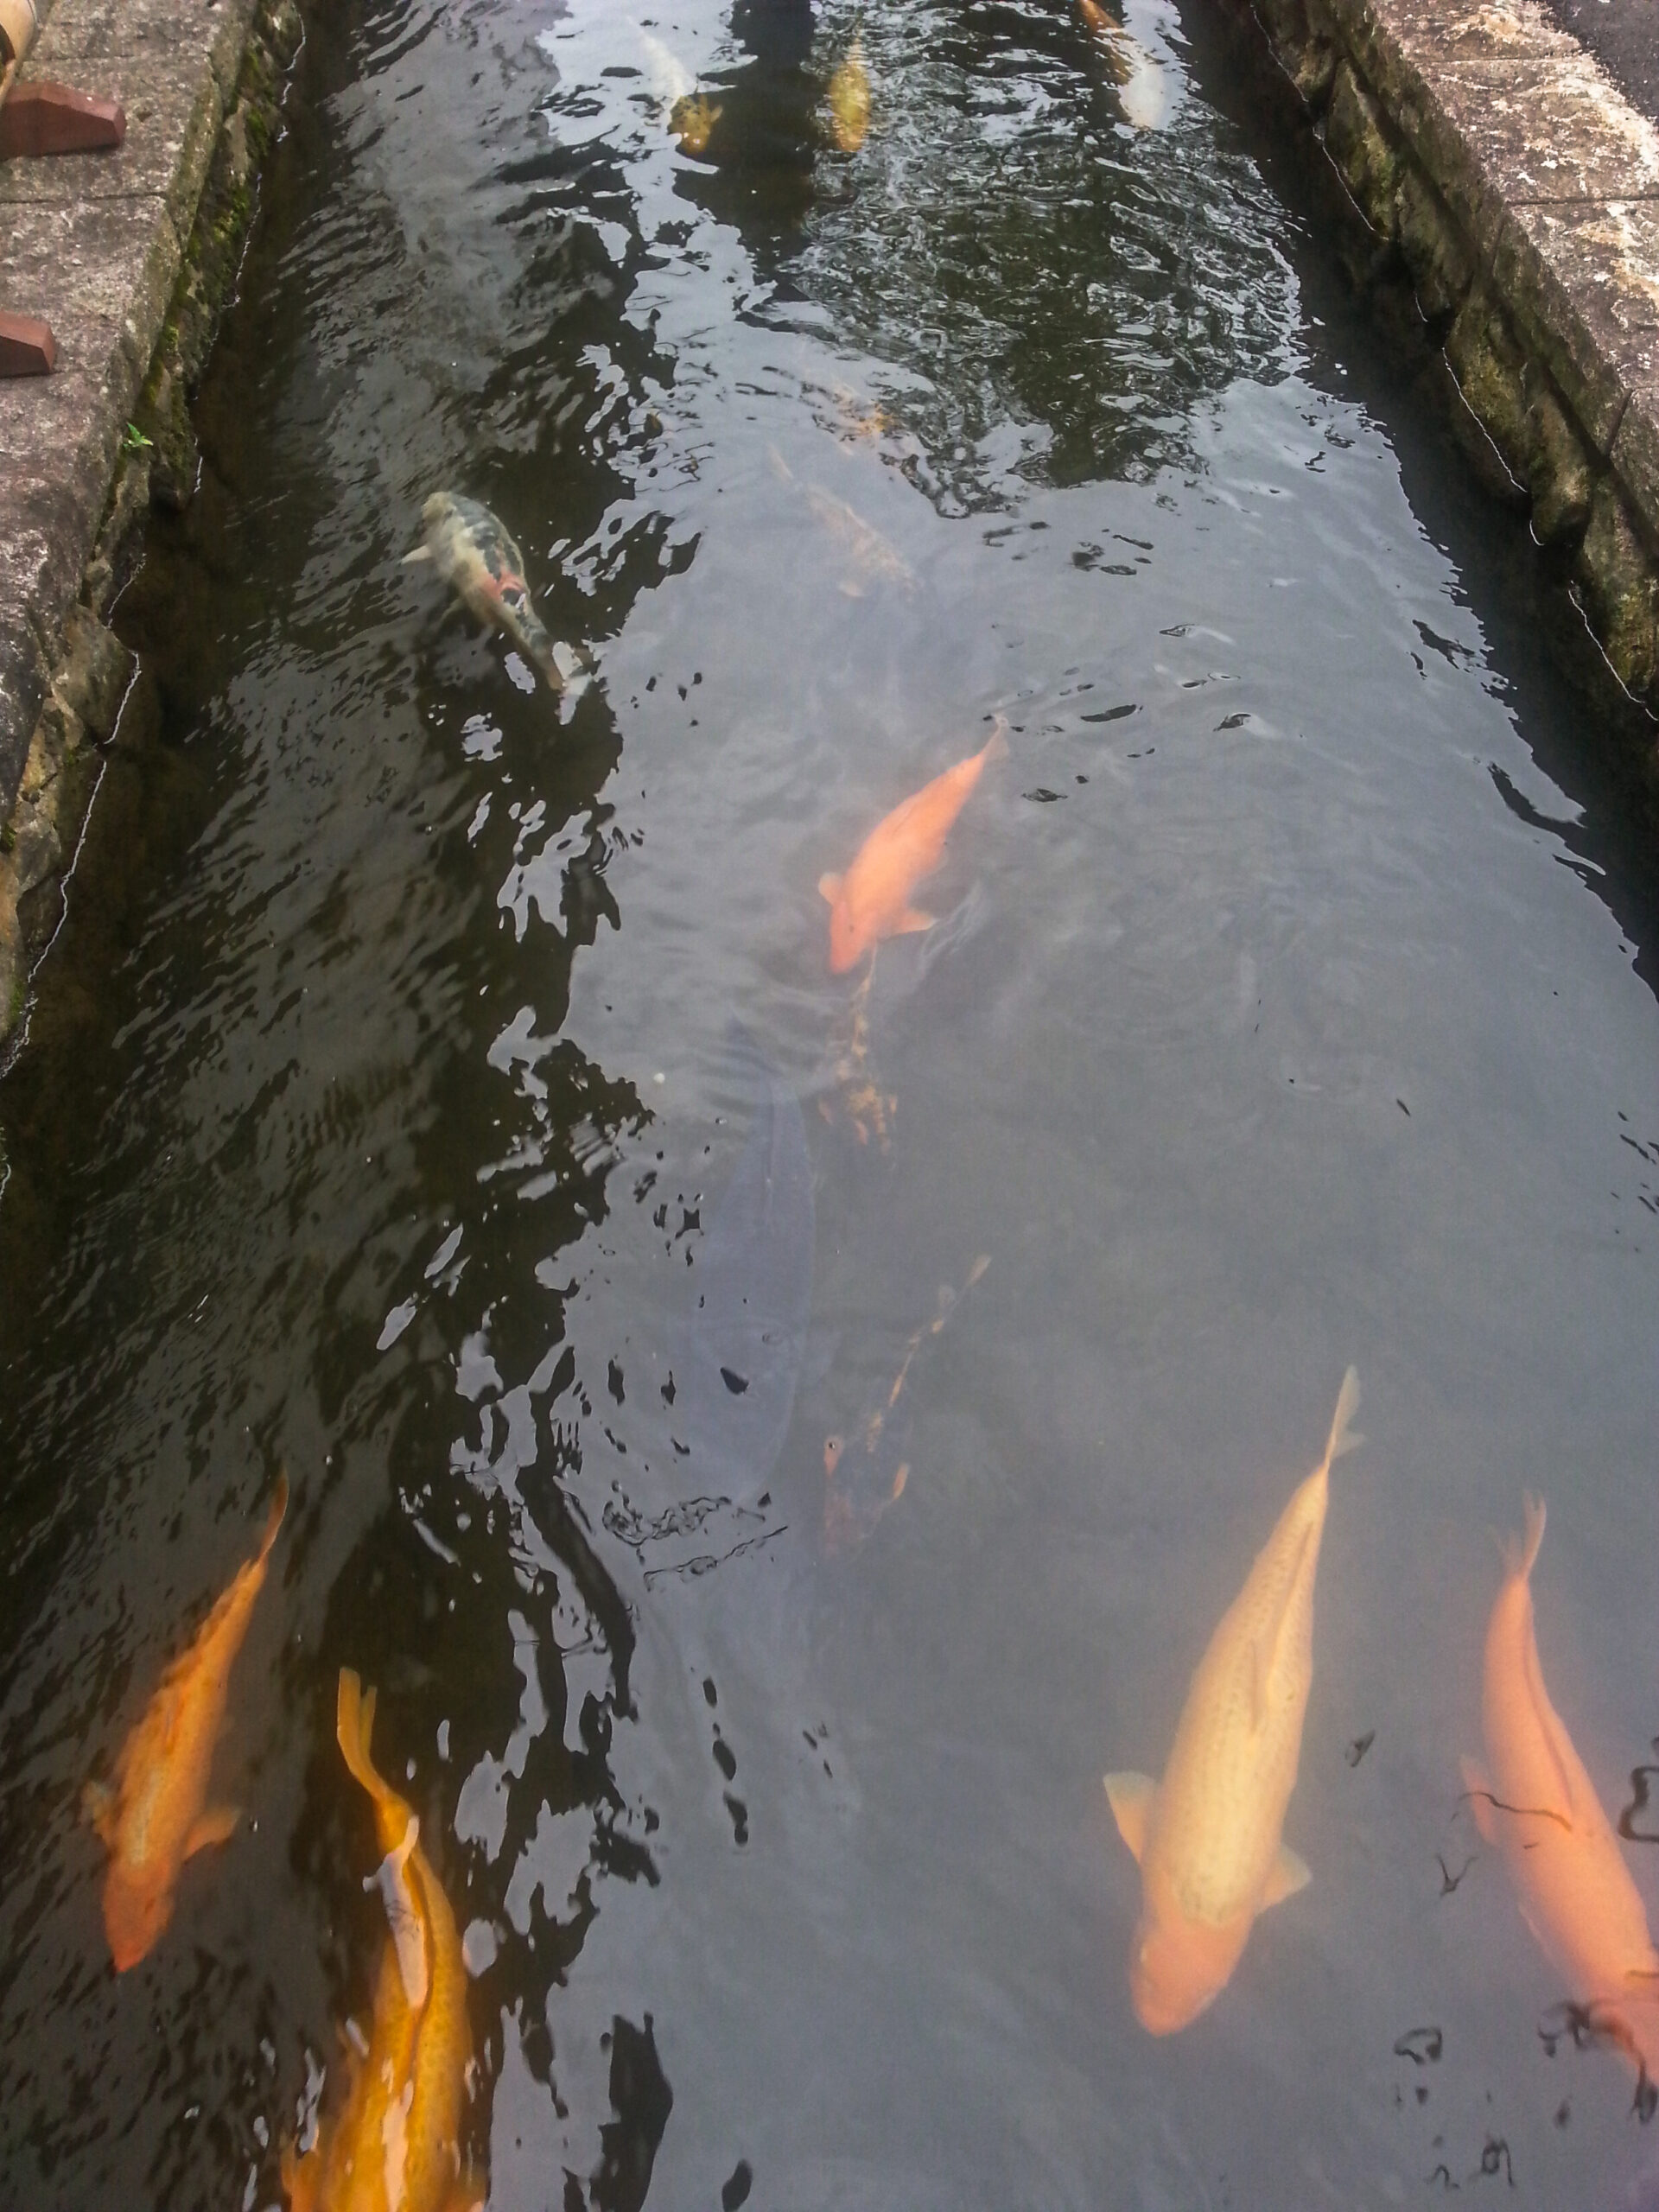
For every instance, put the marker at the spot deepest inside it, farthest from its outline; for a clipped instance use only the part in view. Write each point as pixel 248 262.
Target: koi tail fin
pixel 1344 1436
pixel 1520 1552
pixel 996 746
pixel 353 1728
pixel 274 1518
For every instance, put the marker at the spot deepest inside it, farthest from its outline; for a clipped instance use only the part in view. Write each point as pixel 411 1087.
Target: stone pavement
pixel 93 243
pixel 1623 35
pixel 107 248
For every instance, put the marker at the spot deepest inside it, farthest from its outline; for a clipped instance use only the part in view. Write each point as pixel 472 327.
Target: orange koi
pixel 395 2146
pixel 872 900
pixel 156 1815
pixel 1210 1836
pixel 1538 1807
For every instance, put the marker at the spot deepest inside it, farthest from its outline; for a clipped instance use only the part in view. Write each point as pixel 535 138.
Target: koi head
pixel 692 120
pixel 136 1915
pixel 1178 1966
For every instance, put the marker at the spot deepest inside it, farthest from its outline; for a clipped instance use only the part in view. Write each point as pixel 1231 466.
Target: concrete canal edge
pixel 1520 190
pixel 131 256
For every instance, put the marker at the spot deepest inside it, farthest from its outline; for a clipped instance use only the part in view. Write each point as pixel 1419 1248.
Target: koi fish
pixel 692 121
pixel 1209 1837
pixel 1142 81
pixel 849 101
pixel 872 900
pixel 1538 1807
pixel 864 1480
pixel 870 553
pixel 157 1814
pixel 396 2144
pixel 475 555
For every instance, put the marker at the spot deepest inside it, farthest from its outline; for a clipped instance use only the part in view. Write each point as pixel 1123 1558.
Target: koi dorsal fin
pixel 1267 1651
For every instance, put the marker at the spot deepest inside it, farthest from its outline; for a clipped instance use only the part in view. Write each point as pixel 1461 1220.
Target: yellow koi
pixel 869 552
pixel 395 2146
pixel 849 101
pixel 1210 1836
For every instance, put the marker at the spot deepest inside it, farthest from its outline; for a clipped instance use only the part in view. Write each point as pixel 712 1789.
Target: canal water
pixel 440 1090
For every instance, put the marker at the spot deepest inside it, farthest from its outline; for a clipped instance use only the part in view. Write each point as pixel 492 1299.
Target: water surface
pixel 385 1092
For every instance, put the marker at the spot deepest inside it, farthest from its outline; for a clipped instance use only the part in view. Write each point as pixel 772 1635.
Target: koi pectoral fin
pixel 1479 1792
pixel 421 553
pixel 1290 1873
pixel 1130 1797
pixel 829 887
pixel 217 1825
pixel 912 919
pixel 97 1805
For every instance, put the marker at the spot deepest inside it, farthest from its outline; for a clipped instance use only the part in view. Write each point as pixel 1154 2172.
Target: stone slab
pixel 1496 135
pixel 101 274
pixel 65 430
pixel 81 37
pixel 92 242
pixel 105 265
pixel 1427 35
pixel 38 571
pixel 1580 282
pixel 22 675
pixel 173 117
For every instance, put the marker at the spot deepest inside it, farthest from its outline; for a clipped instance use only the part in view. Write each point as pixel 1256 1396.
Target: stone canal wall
pixel 1521 192
pixel 129 256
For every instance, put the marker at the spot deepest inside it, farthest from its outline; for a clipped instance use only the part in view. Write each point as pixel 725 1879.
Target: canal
pixel 440 1091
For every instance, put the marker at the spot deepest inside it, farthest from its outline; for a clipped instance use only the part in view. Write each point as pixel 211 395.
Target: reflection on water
pixel 442 1090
